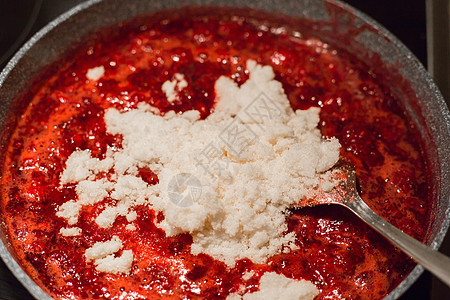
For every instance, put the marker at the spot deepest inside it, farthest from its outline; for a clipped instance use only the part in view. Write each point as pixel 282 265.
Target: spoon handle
pixel 435 262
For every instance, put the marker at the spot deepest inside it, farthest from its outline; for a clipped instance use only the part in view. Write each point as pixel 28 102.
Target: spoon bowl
pixel 346 194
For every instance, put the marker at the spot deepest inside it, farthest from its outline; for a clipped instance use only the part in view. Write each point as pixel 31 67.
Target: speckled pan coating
pixel 52 41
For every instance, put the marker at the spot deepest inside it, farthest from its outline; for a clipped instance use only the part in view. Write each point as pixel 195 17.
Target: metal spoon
pixel 346 194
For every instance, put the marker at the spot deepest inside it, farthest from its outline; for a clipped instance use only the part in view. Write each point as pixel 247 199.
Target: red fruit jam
pixel 342 256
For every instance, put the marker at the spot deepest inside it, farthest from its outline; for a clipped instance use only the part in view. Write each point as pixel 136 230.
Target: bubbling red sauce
pixel 342 256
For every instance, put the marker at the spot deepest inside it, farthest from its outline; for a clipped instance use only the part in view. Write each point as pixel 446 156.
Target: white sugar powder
pixel 253 157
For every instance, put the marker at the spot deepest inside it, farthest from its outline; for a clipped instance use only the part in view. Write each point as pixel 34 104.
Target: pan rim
pixel 39 293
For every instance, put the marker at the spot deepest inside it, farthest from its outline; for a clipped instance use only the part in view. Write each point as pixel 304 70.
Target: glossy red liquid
pixel 337 252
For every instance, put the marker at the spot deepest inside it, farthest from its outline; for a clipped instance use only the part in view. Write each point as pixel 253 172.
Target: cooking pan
pixel 426 107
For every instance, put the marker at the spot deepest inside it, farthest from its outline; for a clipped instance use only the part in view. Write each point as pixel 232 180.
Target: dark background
pixel 404 18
